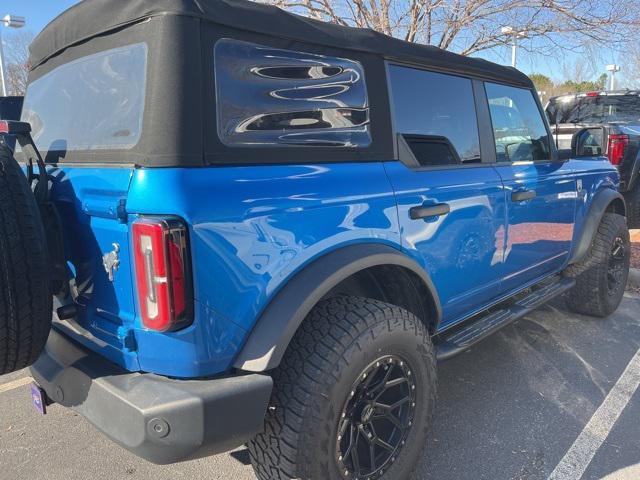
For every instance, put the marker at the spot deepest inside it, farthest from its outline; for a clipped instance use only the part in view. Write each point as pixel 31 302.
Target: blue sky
pixel 37 12
pixel 40 12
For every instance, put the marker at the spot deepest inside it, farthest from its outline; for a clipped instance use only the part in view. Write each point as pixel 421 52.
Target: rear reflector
pixel 163 273
pixel 616 148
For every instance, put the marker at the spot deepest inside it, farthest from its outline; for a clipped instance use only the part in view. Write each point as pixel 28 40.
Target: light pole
pixel 613 69
pixel 515 35
pixel 12 21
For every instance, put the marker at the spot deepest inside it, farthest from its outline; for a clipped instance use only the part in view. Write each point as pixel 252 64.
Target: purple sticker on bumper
pixel 38 398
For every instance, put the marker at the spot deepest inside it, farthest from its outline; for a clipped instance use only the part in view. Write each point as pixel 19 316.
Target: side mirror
pixel 588 142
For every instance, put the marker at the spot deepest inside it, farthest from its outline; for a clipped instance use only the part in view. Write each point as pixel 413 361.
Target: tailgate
pixel 91 203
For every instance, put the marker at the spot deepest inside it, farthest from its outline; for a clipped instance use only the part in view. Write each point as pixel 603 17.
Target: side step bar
pixel 471 331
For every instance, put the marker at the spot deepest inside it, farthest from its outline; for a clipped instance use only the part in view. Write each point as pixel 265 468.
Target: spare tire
pixel 25 298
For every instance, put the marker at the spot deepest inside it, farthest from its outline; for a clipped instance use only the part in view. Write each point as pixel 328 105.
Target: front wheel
pixel 353 397
pixel 599 290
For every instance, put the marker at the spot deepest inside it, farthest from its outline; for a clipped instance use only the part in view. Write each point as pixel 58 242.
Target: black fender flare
pixel 599 206
pixel 275 328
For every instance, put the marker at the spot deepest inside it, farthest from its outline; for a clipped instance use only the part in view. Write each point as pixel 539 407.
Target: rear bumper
pixel 159 419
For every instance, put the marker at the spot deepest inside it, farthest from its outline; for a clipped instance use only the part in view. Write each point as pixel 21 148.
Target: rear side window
pixel 93 103
pixel 519 130
pixel 432 111
pixel 594 108
pixel 271 97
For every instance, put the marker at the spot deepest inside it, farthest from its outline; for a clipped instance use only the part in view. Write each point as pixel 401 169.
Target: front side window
pixel 93 103
pixel 270 97
pixel 436 115
pixel 519 130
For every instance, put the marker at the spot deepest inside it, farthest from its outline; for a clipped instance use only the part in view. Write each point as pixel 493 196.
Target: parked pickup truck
pixel 609 121
pixel 245 226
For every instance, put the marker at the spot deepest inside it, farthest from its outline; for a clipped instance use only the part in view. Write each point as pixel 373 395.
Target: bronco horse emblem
pixel 111 261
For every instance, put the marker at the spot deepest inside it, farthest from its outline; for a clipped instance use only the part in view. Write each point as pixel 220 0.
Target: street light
pixel 12 21
pixel 613 69
pixel 515 35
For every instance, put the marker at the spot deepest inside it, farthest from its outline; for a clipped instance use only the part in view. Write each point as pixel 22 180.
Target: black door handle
pixel 523 195
pixel 436 210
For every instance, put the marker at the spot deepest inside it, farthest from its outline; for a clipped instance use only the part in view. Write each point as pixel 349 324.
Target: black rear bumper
pixel 159 419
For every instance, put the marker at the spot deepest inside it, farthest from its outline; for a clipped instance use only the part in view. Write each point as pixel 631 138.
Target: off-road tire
pixel 25 301
pixel 338 340
pixel 632 199
pixel 593 294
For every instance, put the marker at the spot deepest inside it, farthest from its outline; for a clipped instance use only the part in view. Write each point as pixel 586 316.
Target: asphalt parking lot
pixel 553 396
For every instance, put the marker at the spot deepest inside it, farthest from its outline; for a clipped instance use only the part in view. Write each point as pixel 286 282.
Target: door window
pixel 519 130
pixel 436 115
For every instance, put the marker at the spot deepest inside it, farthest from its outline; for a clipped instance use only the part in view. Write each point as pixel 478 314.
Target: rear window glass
pixel 434 104
pixel 93 103
pixel 278 98
pixel 596 109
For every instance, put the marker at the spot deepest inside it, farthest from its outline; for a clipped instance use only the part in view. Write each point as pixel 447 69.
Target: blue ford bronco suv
pixel 253 227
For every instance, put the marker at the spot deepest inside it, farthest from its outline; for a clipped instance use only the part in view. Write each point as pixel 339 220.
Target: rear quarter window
pixel 271 97
pixel 93 103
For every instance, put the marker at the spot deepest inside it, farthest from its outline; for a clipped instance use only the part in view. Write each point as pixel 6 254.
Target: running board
pixel 471 331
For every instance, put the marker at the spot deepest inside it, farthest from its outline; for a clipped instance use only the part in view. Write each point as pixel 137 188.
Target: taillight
pixel 616 148
pixel 163 274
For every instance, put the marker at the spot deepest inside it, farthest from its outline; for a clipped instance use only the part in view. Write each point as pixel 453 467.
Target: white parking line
pixel 15 384
pixel 577 459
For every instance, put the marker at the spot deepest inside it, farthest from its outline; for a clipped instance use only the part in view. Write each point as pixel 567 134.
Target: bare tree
pixel 471 26
pixel 631 69
pixel 16 50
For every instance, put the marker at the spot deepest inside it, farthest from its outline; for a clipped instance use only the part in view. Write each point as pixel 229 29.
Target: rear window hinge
pixel 121 210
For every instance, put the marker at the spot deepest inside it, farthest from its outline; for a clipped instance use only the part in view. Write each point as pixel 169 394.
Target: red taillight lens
pixel 616 148
pixel 163 276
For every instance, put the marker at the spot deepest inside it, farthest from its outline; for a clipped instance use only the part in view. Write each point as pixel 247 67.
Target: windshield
pixel 599 109
pixel 93 103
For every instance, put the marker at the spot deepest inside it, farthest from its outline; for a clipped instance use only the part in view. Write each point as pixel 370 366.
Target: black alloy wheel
pixel 376 419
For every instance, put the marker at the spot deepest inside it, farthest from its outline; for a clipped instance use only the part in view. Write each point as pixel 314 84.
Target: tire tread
pixel 25 301
pixel 315 357
pixel 589 296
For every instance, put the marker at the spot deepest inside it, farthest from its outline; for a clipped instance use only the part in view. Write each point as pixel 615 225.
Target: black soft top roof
pixel 94 17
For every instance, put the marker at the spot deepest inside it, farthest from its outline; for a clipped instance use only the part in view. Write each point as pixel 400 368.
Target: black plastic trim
pixel 485 126
pixel 463 336
pixel 159 419
pixel 598 208
pixel 275 328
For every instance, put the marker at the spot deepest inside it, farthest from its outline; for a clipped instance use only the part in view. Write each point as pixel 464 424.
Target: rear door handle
pixel 523 195
pixel 436 210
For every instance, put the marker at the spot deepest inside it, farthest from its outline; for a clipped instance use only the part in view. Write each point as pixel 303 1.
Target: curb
pixel 634 277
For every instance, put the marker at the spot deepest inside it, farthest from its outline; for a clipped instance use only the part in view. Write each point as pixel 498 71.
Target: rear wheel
pixel 25 299
pixel 353 396
pixel 599 290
